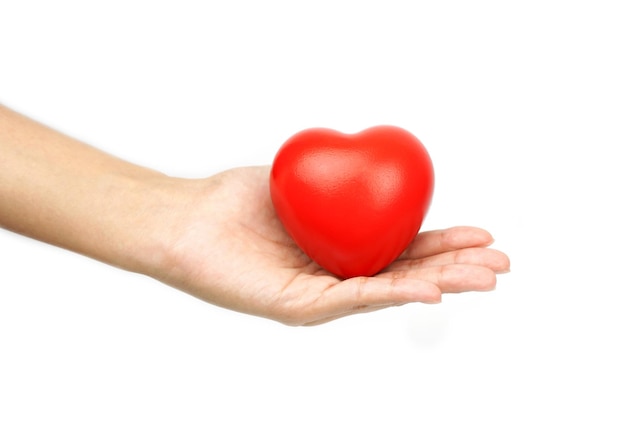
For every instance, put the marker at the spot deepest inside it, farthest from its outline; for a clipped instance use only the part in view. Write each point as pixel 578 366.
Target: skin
pixel 216 238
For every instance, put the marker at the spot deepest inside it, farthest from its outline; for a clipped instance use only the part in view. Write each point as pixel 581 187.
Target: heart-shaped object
pixel 352 202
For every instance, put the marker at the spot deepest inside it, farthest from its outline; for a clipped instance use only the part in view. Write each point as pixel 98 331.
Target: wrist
pixel 162 210
pixel 141 228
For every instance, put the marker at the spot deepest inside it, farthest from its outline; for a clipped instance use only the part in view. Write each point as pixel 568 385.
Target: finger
pixel 359 294
pixel 491 258
pixel 434 242
pixel 451 278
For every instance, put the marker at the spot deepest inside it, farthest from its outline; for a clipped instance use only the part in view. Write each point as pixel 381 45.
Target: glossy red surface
pixel 352 202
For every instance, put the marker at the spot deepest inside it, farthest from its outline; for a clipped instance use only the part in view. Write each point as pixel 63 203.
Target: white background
pixel 522 107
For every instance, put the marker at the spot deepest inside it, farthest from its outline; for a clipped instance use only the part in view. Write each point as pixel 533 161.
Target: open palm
pixel 230 249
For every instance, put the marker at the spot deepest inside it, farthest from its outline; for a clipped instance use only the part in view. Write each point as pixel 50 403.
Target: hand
pixel 227 246
pixel 217 238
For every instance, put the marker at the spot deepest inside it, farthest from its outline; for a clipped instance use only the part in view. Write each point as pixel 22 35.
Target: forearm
pixel 61 191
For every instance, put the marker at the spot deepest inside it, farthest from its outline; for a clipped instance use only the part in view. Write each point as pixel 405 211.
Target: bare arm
pixel 58 190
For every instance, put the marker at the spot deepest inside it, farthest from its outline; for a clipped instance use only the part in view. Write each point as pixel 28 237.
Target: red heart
pixel 354 202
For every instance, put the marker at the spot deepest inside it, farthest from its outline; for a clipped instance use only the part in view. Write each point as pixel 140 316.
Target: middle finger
pixel 487 257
